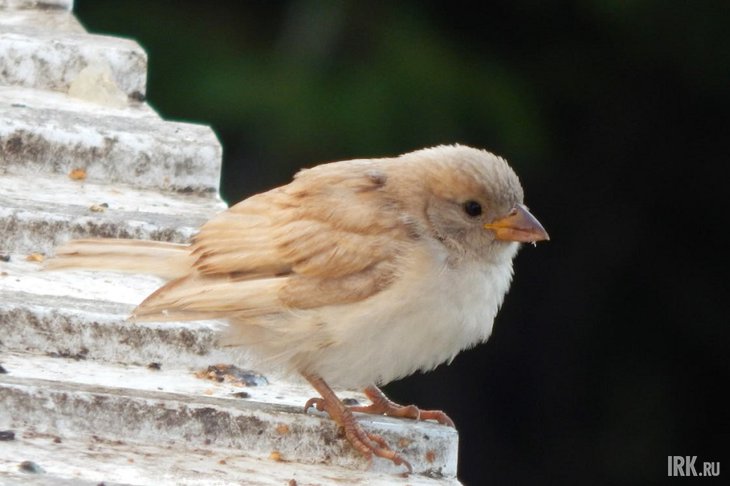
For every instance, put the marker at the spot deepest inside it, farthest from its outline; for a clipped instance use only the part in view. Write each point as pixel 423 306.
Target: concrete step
pixel 175 410
pixel 37 214
pixel 93 460
pixel 20 97
pixel 47 133
pixel 36 4
pixel 84 314
pixel 49 20
pixel 36 56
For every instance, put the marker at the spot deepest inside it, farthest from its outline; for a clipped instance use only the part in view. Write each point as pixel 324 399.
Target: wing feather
pixel 331 236
pixel 211 297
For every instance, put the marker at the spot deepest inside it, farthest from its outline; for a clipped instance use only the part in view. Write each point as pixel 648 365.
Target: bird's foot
pixel 382 405
pixel 367 443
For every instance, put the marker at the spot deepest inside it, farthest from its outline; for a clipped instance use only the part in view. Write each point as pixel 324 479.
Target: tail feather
pixel 167 260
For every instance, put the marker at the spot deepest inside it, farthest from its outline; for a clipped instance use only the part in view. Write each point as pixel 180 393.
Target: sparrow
pixel 355 274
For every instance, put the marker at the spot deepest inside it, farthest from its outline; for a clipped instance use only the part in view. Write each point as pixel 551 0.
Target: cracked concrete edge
pixel 258 429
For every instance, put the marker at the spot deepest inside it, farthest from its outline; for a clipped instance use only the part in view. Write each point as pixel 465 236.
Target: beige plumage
pixel 355 274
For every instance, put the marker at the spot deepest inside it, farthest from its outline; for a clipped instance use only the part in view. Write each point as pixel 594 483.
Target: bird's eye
pixel 472 208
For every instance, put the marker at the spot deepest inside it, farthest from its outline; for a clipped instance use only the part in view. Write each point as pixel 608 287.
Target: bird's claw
pixel 372 444
pixel 436 415
pixel 317 403
pixel 368 444
pixel 381 405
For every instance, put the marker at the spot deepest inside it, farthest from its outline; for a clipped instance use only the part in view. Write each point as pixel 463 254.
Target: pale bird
pixel 353 275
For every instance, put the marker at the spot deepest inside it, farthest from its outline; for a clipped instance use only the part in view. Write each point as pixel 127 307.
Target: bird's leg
pixel 365 442
pixel 383 406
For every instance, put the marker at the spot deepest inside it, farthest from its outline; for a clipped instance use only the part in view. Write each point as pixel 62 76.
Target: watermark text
pixel 688 466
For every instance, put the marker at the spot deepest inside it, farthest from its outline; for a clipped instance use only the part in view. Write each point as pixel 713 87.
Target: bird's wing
pixel 331 236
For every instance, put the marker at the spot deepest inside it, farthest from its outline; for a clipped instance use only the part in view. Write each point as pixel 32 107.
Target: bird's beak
pixel 518 225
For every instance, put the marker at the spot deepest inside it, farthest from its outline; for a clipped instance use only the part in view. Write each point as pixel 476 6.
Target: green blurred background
pixel 611 351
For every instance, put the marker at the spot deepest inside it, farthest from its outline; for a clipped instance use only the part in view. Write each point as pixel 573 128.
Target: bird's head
pixel 473 201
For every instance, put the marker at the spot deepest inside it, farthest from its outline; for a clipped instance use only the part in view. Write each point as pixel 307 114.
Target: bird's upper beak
pixel 518 225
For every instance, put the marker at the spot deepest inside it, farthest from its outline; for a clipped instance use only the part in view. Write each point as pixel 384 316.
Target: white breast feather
pixel 423 320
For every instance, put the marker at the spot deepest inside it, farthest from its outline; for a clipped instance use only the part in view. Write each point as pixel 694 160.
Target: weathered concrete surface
pixel 85 314
pixel 37 4
pixel 40 137
pixel 88 329
pixel 35 58
pixel 38 214
pixel 92 460
pixel 162 407
pixel 48 20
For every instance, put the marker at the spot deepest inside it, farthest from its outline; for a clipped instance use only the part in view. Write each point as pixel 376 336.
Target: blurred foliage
pixel 611 351
pixel 296 83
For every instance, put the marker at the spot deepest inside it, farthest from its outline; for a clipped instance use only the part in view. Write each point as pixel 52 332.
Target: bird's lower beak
pixel 518 225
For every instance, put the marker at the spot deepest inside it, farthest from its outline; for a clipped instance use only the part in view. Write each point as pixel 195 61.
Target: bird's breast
pixel 425 318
